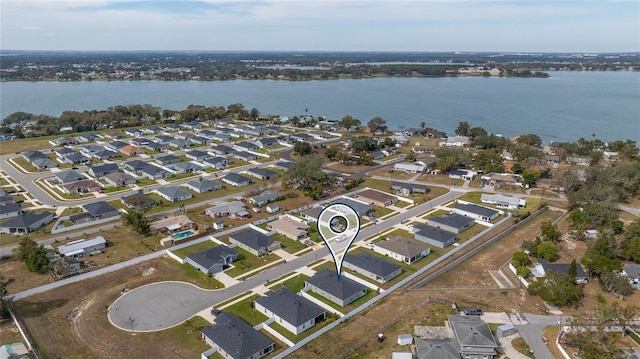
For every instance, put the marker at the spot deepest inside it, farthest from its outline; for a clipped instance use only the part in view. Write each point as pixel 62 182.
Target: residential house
pixel 272 208
pixel 475 211
pixel 130 150
pixel 361 208
pixel 267 142
pixel 115 145
pixel 221 137
pixel 32 155
pixel 61 152
pixel 89 150
pixel 224 122
pixel 632 271
pixel 433 236
pixel 236 180
pixel 235 209
pixel 244 156
pixel 502 201
pixel 542 267
pixel 163 139
pixel 75 158
pixel 167 159
pixel 133 132
pixel 552 160
pixel 197 155
pixel 62 141
pixel 119 179
pixel 197 140
pixel 26 222
pixel 264 198
pixel 101 210
pixel 377 198
pixel 178 143
pixel 502 179
pixel 408 188
pixel 171 127
pixel 289 227
pixel 99 171
pixel 410 167
pixel 173 194
pixel 135 166
pixel 138 201
pixel 113 135
pixel 456 141
pixel 206 134
pixel 10 209
pixel 68 176
pixel 311 214
pixel 155 146
pixel 377 155
pixel 151 130
pixel 172 224
pixel 212 260
pixel 84 186
pixel 301 137
pixel 43 163
pixel 290 310
pixel 83 247
pixel 254 242
pixel 185 167
pixel 342 292
pixel 466 175
pixel 217 162
pixel 153 172
pixel 451 222
pixel 245 146
pixel 104 155
pixel 282 165
pixel 234 338
pixel 262 173
pixel 221 150
pixel 87 137
pixel 402 249
pixel 372 266
pixel 464 337
pixel 202 186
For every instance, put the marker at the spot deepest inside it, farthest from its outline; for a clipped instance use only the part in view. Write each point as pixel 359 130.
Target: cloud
pixel 31 28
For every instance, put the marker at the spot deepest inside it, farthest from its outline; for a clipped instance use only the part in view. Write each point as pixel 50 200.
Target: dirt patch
pixel 66 325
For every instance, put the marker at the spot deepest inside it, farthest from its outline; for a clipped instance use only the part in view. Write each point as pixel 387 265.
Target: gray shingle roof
pixel 10 208
pixel 173 192
pixel 289 306
pixel 236 337
pixel 208 257
pixel 69 176
pixel 372 264
pixel 236 178
pixel 403 246
pixel 253 239
pixel 204 185
pixel 561 268
pixel 434 233
pixel 474 208
pixel 437 348
pixel 99 208
pixel 107 167
pixel 452 220
pixel 262 172
pixel 25 220
pixel 359 207
pixel 471 331
pixel 327 280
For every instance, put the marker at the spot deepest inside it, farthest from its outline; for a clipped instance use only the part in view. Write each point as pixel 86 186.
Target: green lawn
pixel 4 182
pixel 346 309
pixel 470 232
pixel 186 251
pixel 145 182
pixel 402 204
pixel 247 262
pixel 20 161
pixel 222 304
pixel 296 338
pixel 244 310
pixel 115 189
pixel 381 211
pixel 180 176
pixel 288 244
pixel 237 163
pixel 399 232
pixel 294 284
pixel 71 210
pixel 202 280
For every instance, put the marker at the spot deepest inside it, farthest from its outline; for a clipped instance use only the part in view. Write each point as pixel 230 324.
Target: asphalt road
pixel 149 306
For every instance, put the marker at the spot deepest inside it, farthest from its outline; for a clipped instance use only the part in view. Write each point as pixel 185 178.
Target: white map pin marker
pixel 338 225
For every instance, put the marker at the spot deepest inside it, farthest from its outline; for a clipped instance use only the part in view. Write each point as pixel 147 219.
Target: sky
pixel 313 25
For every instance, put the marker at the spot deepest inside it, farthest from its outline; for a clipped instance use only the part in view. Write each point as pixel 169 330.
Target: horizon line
pixel 461 52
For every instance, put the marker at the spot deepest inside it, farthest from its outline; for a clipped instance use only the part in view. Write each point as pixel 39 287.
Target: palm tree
pixel 423 125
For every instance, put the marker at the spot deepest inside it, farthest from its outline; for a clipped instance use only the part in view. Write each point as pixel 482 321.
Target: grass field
pixel 186 251
pixel 244 310
pixel 247 262
pixel 289 245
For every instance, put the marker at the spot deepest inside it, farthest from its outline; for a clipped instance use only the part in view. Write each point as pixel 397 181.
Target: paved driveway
pixel 159 306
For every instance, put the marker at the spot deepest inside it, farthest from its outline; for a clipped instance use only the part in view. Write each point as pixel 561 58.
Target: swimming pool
pixel 182 234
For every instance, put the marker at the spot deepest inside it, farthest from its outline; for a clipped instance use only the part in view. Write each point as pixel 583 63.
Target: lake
pixel 564 107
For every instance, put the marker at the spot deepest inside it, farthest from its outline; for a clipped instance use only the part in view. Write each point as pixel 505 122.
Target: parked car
pixel 215 311
pixel 473 311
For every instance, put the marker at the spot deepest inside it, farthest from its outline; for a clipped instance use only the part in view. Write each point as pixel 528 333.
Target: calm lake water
pixel 564 107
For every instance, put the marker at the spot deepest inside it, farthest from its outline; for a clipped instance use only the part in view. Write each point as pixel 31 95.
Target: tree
pixel 592 335
pixel 363 143
pixel 488 161
pixel 423 125
pixel 530 140
pixel 254 113
pixel 523 272
pixel 5 303
pixel 25 247
pixel 347 122
pixel 462 129
pixel 308 174
pixel 550 232
pixel 476 132
pixel 557 289
pixel 137 221
pixel 302 148
pixel 613 282
pixel 520 259
pixel 531 246
pixel 38 261
pixel 547 250
pixel 377 124
pixel 331 152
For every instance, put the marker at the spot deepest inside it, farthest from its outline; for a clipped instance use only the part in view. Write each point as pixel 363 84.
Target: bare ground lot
pixel 68 325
